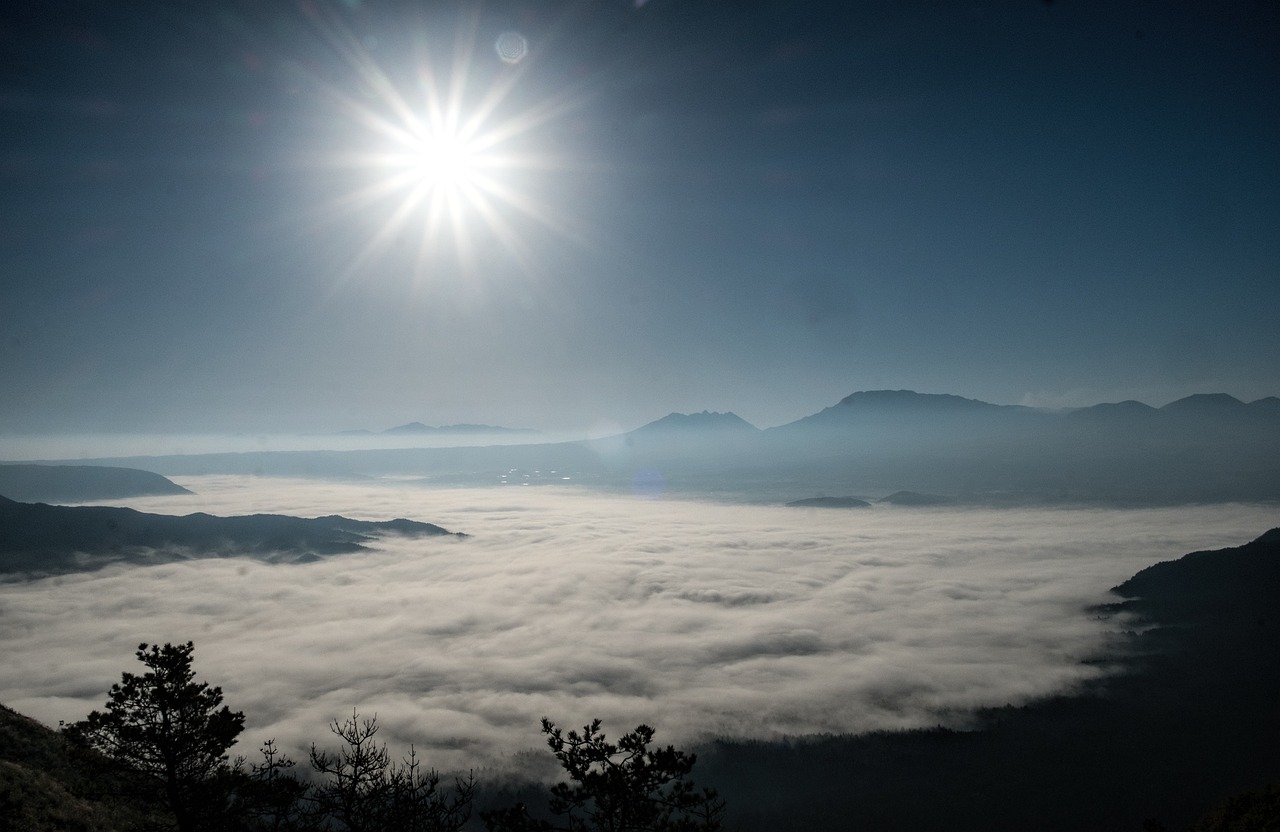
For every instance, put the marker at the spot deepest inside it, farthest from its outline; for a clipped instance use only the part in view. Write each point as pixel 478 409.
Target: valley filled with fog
pixel 704 619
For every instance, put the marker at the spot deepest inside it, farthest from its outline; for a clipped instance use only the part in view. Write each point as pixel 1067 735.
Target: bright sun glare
pixel 445 152
pixel 445 161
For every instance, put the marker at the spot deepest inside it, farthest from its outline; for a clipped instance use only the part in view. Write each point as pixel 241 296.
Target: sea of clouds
pixel 700 618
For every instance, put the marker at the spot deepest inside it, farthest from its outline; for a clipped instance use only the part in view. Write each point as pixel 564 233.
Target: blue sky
pixel 749 206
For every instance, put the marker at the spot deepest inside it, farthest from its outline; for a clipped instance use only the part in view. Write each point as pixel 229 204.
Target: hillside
pixel 705 423
pixel 1186 718
pixel 47 787
pixel 38 539
pixel 80 483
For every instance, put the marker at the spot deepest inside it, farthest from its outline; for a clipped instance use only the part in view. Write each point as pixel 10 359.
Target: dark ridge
pixel 830 502
pixel 38 539
pixel 1186 717
pixel 1128 409
pixel 1210 584
pixel 915 498
pixel 905 410
pixel 704 421
pixel 80 483
pixel 1205 403
pixel 909 399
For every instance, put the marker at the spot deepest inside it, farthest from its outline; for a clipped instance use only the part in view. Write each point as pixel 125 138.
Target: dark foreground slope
pixel 46 785
pixel 80 483
pixel 1193 717
pixel 41 539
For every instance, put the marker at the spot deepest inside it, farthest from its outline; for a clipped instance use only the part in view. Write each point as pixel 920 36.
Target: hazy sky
pixel 241 216
pixel 748 621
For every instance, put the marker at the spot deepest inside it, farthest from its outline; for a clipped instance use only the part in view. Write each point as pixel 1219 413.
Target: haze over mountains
pixel 418 428
pixel 1202 447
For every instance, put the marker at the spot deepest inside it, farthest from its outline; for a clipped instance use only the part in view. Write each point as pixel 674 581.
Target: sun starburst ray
pixel 450 152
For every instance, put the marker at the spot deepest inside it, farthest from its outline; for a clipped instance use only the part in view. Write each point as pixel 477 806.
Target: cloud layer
pixel 699 618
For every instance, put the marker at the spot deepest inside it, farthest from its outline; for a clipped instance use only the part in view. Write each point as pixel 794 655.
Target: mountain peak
pixel 706 420
pixel 1127 409
pixel 412 427
pixel 1204 403
pixel 893 399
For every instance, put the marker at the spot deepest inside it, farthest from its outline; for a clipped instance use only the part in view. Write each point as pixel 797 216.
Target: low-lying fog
pixel 63 447
pixel 696 617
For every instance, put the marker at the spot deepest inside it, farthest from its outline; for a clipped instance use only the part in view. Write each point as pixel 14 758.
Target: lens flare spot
pixel 511 47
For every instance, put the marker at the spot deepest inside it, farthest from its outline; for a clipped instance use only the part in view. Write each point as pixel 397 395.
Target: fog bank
pixel 699 618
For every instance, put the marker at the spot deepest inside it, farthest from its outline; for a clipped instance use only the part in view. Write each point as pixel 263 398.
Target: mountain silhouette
pixel 706 422
pixel 1115 411
pixel 1208 447
pixel 39 539
pixel 1209 587
pixel 900 400
pixel 897 420
pixel 1269 405
pixel 80 483
pixel 830 502
pixel 1185 715
pixel 874 405
pixel 1205 404
pixel 915 498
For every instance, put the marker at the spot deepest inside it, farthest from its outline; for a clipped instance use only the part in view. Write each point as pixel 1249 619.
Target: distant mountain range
pixel 39 539
pixel 1205 447
pixel 875 407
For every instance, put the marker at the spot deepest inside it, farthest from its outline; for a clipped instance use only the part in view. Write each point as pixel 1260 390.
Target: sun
pixel 445 152
pixel 445 161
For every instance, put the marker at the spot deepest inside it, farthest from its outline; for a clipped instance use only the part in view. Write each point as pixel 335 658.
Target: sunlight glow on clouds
pixel 699 618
